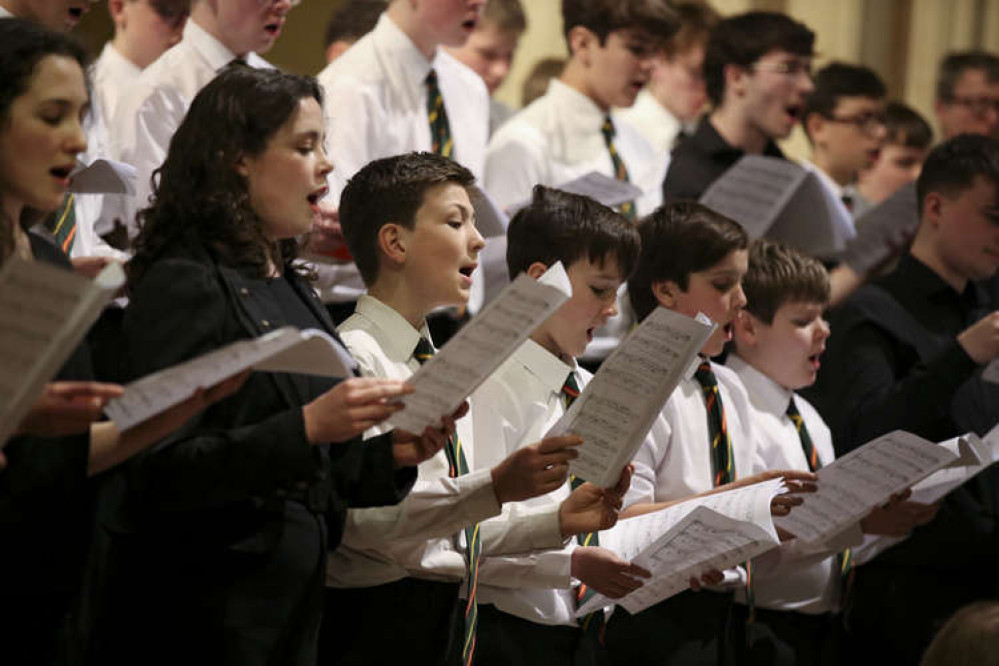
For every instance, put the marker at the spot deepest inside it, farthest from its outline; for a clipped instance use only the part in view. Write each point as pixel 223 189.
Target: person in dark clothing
pixel 907 352
pixel 218 544
pixel 757 69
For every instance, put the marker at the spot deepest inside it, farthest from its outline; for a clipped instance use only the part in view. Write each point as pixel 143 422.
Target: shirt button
pixel 243 291
pixel 265 323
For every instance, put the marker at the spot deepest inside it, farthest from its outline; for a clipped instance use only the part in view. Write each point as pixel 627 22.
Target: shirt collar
pixel 119 64
pixel 666 122
pixel 5 13
pixel 714 144
pixel 550 370
pixel 400 337
pixel 824 178
pixel 402 55
pixel 921 279
pixel 212 50
pixel 767 395
pixel 578 112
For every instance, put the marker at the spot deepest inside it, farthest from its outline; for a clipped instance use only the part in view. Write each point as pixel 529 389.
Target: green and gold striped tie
pixel 62 223
pixel 440 130
pixel 620 170
pixel 458 466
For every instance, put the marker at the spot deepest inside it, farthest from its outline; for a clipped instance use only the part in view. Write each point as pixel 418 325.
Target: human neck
pixel 839 175
pixel 925 250
pixel 736 129
pixel 574 76
pixel 207 20
pixel 405 19
pixel 395 294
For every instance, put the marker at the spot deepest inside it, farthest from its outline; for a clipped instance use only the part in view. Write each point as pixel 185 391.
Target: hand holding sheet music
pixel 851 486
pixel 284 350
pixel 46 313
pixel 617 408
pixel 481 346
pixel 685 540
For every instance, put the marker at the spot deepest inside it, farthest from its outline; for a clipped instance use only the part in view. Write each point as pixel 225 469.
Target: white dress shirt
pixel 654 122
pixel 376 106
pixel 416 537
pixel 113 76
pixel 152 109
pixel 790 578
pixel 674 461
pixel 514 408
pixel 556 139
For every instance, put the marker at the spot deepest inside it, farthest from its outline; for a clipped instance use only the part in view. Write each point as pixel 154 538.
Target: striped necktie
pixel 457 466
pixel 844 559
pixel 592 621
pixel 440 130
pixel 62 223
pixel 620 170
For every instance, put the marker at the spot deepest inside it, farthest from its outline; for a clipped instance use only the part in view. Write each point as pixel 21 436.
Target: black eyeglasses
pixel 977 105
pixel 868 123
pixel 791 68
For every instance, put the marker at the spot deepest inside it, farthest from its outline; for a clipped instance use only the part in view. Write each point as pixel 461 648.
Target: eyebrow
pixel 309 134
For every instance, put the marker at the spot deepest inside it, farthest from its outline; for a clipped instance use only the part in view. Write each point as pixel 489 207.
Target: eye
pixel 723 286
pixel 455 224
pixel 638 50
pixel 602 292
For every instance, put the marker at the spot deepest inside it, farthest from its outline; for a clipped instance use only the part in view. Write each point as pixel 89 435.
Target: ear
pixel 933 205
pixel 814 124
pixel 536 270
pixel 242 166
pixel 736 77
pixel 392 243
pixel 580 41
pixel 666 293
pixel 115 9
pixel 744 328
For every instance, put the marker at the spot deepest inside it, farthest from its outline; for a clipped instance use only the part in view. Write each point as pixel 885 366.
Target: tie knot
pixel 608 128
pixel 570 389
pixel 792 411
pixel 705 375
pixel 432 78
pixel 424 350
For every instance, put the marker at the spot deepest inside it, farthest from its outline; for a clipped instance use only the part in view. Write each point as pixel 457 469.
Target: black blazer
pixel 223 479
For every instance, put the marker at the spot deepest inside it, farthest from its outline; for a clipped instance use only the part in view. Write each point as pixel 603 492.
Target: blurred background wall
pixel 900 39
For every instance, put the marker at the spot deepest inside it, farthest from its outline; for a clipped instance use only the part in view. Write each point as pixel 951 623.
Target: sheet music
pixel 851 486
pixel 991 372
pixel 617 407
pixel 481 346
pixel 490 220
pixel 287 349
pixel 104 176
pixel 814 220
pixel 754 191
pixel 973 456
pixel 685 540
pixel 47 311
pixel 611 192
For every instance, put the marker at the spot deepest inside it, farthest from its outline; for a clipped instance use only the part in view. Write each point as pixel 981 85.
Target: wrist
pixel 309 422
pixel 499 487
pixel 564 522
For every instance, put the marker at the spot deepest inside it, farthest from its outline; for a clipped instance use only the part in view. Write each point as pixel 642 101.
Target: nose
pixel 823 330
pixel 76 139
pixel 324 166
pixel 476 242
pixel 739 298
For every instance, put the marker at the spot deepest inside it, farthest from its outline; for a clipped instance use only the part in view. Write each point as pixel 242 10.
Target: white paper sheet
pixel 973 456
pixel 617 408
pixel 46 313
pixel 104 176
pixel 490 220
pixel 690 538
pixel 611 192
pixel 287 349
pixel 779 199
pixel 851 486
pixel 480 347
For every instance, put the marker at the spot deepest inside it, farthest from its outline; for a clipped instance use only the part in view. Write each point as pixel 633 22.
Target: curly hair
pixel 24 44
pixel 200 192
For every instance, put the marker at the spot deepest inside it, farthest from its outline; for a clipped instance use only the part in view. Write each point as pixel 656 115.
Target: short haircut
pixel 696 21
pixel 953 166
pixel 743 39
pixel 778 275
pixel 602 17
pixel 536 83
pixel 836 81
pixel 506 15
pixel 969 638
pixel 390 190
pixel 558 226
pixel 353 20
pixel 679 239
pixel 954 65
pixel 907 127
pixel 171 11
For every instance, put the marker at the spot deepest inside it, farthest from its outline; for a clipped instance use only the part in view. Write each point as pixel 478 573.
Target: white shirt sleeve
pixel 515 163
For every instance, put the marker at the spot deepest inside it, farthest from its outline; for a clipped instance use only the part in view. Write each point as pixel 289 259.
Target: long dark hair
pixel 23 44
pixel 200 194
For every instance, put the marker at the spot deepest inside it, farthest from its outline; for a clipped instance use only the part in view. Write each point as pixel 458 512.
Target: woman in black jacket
pixel 219 546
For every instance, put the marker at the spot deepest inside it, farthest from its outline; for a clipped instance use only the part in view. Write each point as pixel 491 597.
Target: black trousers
pixel 786 638
pixel 689 629
pixel 410 621
pixel 505 640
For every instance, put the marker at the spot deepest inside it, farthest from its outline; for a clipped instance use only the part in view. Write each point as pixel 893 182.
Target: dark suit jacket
pixel 236 495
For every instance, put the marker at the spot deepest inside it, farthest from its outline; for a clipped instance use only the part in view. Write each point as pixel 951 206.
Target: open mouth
pixel 273 29
pixel 314 198
pixel 61 174
pixel 469 24
pixel 466 273
pixel 728 331
pixel 76 13
pixel 794 111
pixel 814 361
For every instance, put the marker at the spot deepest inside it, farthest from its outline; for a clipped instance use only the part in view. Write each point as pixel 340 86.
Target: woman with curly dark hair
pixel 219 541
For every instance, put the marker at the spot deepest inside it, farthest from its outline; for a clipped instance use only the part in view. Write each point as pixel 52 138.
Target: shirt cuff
pixel 479 497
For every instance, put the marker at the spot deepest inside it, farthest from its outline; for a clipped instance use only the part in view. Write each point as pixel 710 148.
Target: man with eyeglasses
pixel 218 32
pixel 968 94
pixel 844 120
pixel 143 30
pixel 757 69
